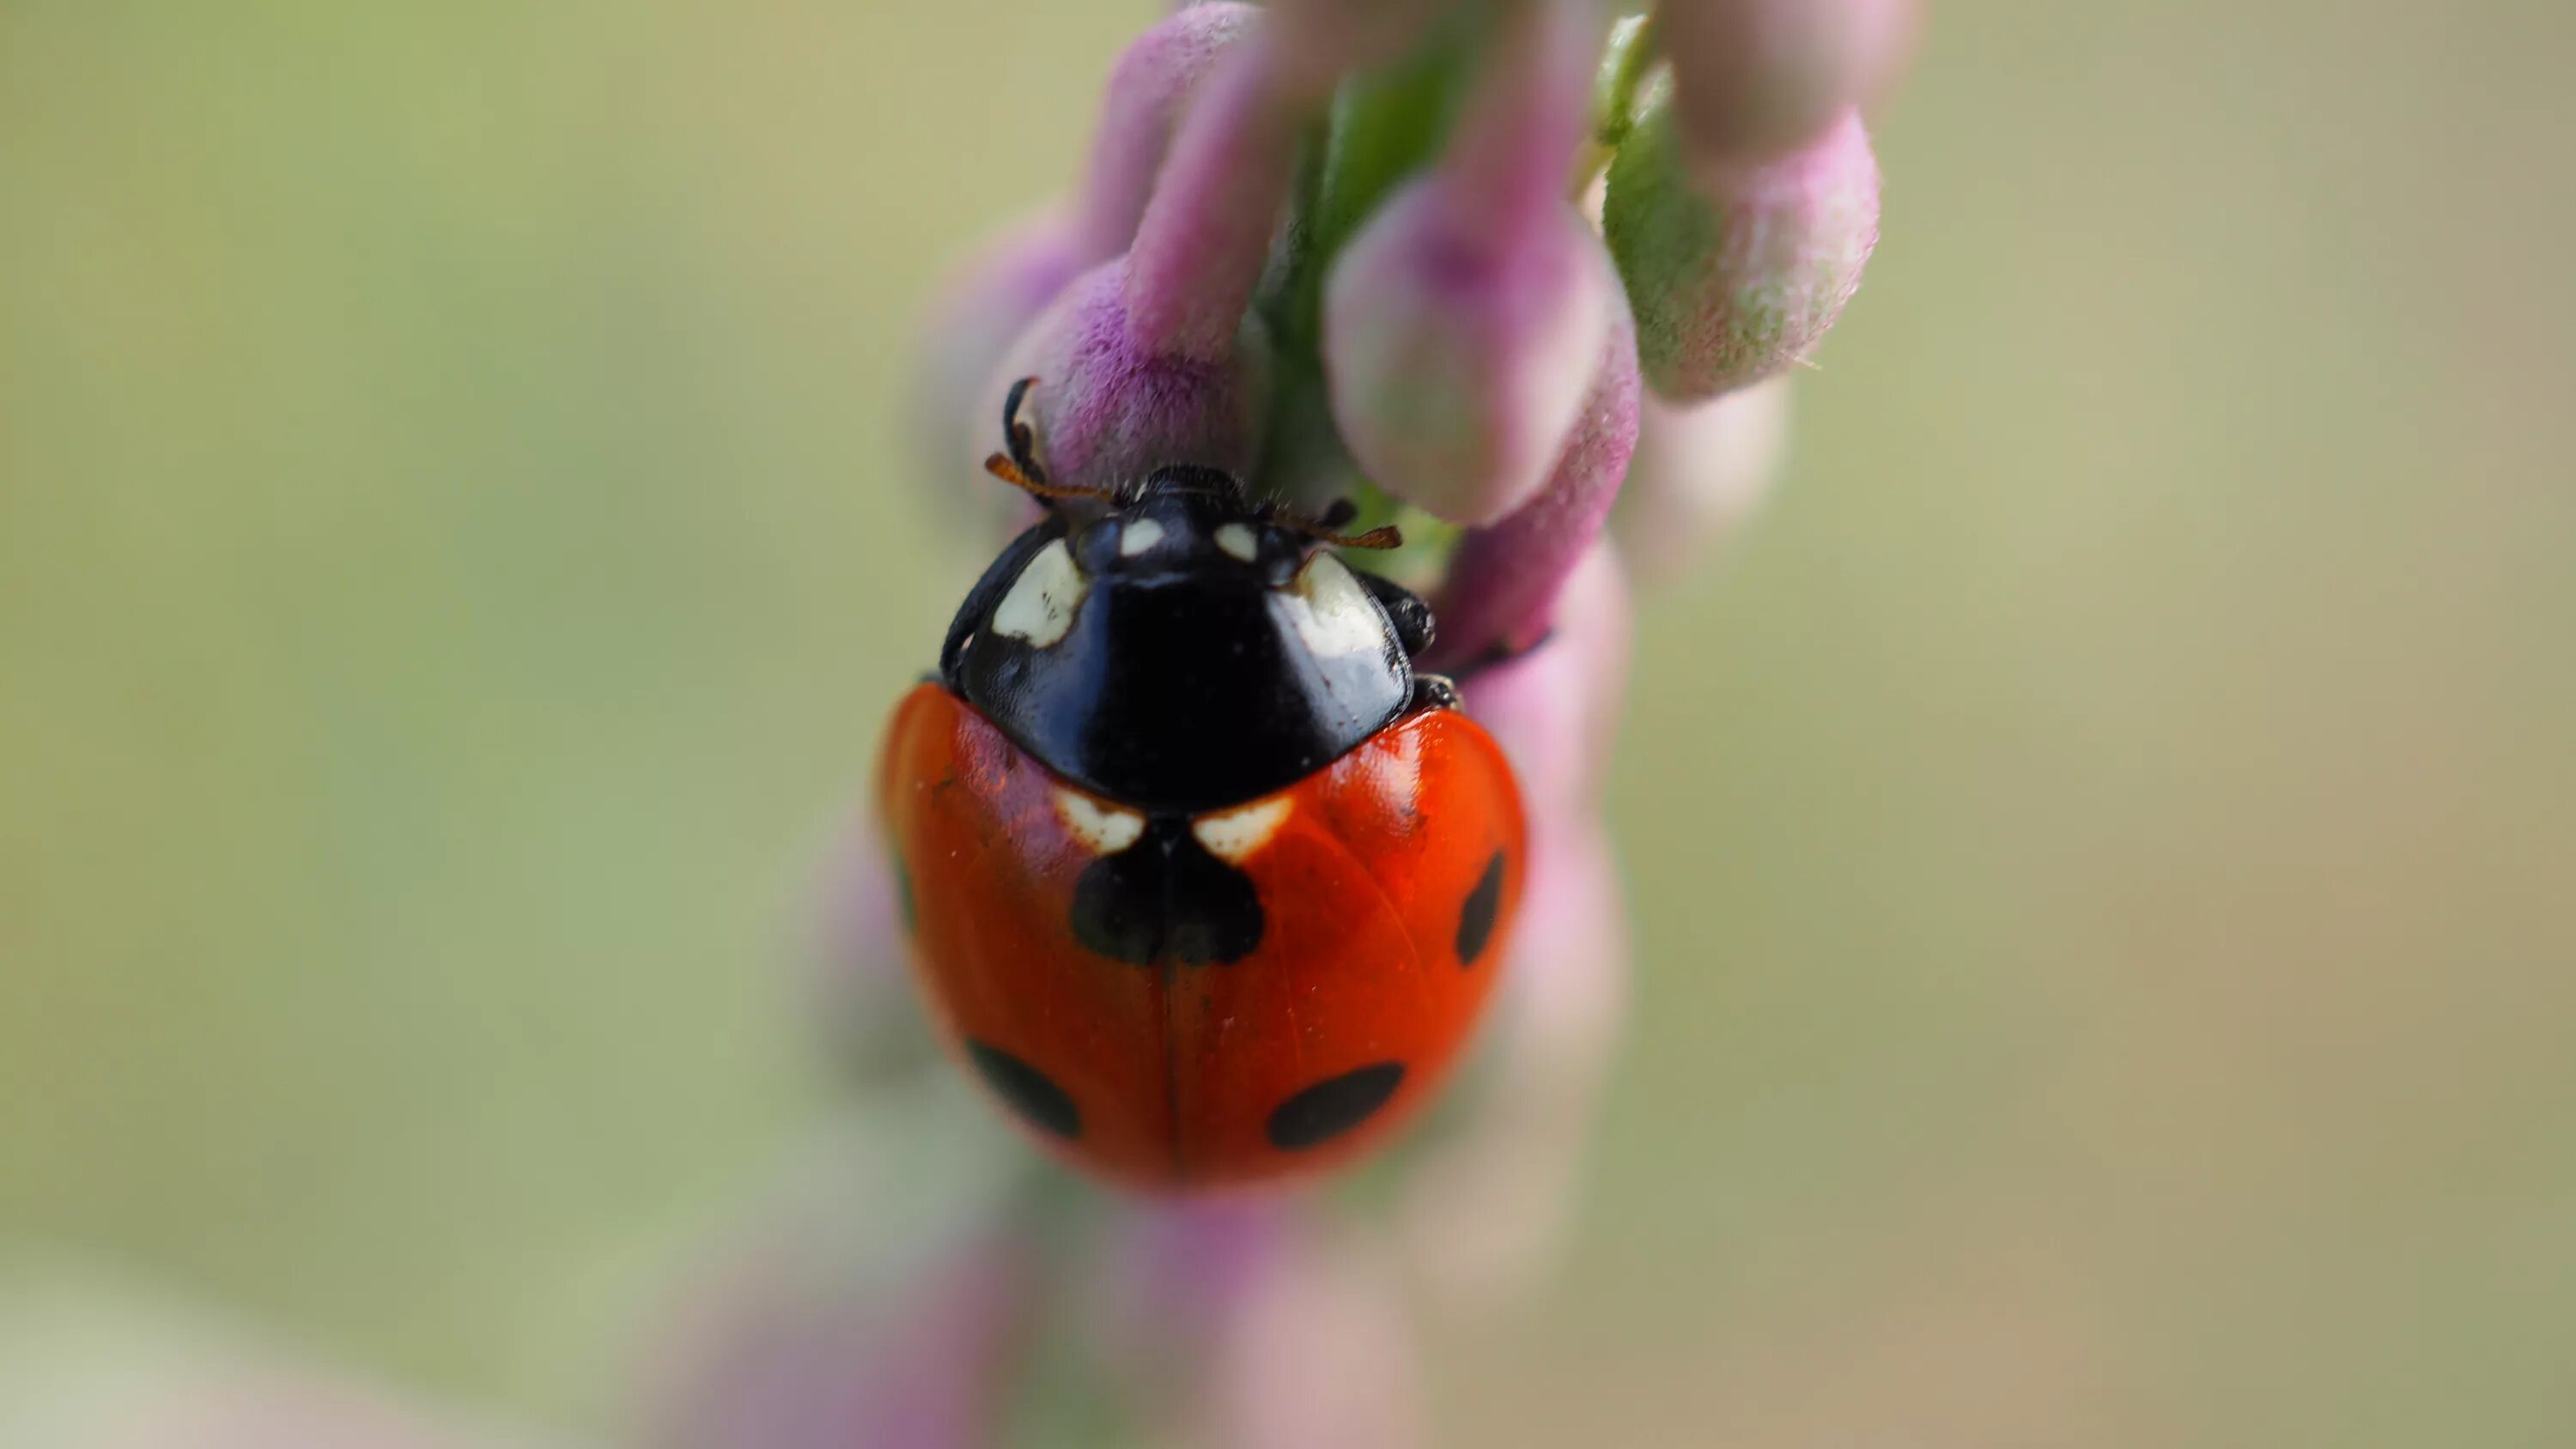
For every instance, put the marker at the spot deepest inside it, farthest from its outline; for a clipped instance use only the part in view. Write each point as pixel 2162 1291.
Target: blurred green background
pixel 2104 844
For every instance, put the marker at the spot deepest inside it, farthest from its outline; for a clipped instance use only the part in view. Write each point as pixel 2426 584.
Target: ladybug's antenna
pixel 1020 467
pixel 1326 527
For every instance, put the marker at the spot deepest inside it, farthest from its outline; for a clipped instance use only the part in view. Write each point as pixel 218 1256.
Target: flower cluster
pixel 1474 263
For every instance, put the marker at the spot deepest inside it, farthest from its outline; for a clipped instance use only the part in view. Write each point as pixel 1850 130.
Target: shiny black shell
pixel 1178 652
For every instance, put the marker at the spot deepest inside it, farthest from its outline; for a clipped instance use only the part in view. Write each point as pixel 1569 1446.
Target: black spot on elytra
pixel 1333 1106
pixel 1165 899
pixel 1476 917
pixel 1030 1092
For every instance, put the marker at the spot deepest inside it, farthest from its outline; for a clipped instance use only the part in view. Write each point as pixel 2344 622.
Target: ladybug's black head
pixel 1177 647
pixel 1180 518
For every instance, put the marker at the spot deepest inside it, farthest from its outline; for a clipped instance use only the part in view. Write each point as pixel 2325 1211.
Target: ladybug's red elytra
pixel 1204 881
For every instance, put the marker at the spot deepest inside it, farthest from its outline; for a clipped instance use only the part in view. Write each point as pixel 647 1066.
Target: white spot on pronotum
pixel 1234 835
pixel 1333 614
pixel 1237 539
pixel 1041 604
pixel 1139 536
pixel 1104 829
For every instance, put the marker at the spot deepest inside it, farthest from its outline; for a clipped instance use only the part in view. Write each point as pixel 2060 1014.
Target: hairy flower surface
pixel 1737 270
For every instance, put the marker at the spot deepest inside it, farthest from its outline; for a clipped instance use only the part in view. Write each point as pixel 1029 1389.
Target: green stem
pixel 1635 48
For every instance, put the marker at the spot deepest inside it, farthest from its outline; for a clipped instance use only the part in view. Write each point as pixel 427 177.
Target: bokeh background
pixel 2104 841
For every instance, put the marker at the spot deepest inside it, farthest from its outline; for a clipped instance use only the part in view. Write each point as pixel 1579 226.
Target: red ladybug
pixel 1204 881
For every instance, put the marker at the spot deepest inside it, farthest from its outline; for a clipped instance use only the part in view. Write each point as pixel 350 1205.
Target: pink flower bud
pixel 1502 586
pixel 1205 237
pixel 1457 367
pixel 1156 358
pixel 1109 405
pixel 989 302
pixel 1700 470
pixel 1756 79
pixel 1736 273
pixel 1463 324
pixel 1152 87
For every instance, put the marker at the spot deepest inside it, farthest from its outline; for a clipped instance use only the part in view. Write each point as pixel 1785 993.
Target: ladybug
pixel 1203 880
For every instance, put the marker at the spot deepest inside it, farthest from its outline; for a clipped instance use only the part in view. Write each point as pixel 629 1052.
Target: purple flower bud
pixel 1149 91
pixel 1463 324
pixel 1157 357
pixel 1109 404
pixel 1700 469
pixel 1503 581
pixel 1456 367
pixel 1205 237
pixel 1736 273
pixel 989 302
pixel 1756 79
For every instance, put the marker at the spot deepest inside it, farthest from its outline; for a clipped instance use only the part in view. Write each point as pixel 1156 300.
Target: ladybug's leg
pixel 1413 622
pixel 1434 691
